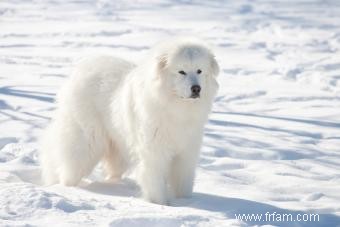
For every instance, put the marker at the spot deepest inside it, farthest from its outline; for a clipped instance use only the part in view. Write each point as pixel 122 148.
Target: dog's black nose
pixel 195 89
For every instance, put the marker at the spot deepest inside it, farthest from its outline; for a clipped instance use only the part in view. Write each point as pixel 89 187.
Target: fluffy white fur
pixel 113 111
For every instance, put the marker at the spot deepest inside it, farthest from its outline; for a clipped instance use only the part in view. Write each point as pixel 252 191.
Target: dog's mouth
pixel 191 98
pixel 195 96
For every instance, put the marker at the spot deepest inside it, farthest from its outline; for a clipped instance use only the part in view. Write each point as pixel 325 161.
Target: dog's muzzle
pixel 195 91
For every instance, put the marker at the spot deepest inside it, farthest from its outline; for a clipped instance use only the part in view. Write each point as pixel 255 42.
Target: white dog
pixel 112 111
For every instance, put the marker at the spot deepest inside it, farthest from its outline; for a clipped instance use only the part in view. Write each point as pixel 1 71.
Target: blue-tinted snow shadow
pixel 230 207
pixel 272 129
pixel 124 188
pixel 40 96
pixel 290 119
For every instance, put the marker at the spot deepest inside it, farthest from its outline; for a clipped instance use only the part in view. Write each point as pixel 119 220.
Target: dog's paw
pixel 160 199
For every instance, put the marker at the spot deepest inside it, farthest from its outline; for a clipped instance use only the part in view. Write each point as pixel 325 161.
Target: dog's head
pixel 188 70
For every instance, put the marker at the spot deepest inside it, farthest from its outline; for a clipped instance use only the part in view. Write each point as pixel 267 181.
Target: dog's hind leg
pixel 48 157
pixel 74 152
pixel 114 163
pixel 79 154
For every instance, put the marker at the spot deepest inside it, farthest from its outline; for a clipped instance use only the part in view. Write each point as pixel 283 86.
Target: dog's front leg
pixel 153 177
pixel 183 175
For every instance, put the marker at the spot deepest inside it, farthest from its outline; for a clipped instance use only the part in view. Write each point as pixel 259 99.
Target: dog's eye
pixel 182 72
pixel 199 71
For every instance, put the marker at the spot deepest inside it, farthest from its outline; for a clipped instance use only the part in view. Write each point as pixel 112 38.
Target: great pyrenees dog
pixel 150 116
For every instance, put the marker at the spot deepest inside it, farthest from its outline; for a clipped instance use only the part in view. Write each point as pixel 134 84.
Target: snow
pixel 273 138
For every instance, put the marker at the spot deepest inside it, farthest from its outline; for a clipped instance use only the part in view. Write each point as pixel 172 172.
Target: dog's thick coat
pixel 113 111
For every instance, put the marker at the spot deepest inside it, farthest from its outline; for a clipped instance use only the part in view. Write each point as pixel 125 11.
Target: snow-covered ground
pixel 272 143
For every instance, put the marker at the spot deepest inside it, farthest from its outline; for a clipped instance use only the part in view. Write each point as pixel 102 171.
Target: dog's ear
pixel 162 62
pixel 215 67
